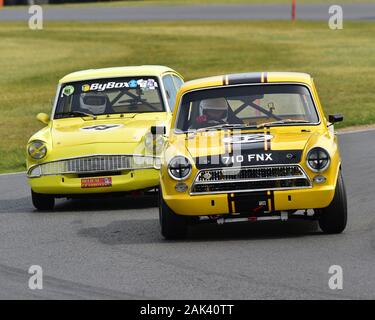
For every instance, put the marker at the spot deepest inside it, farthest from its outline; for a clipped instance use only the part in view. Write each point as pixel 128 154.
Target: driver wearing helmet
pixel 214 112
pixel 95 103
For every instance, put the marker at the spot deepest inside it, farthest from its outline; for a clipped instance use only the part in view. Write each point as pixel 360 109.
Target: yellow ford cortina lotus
pixel 102 135
pixel 251 147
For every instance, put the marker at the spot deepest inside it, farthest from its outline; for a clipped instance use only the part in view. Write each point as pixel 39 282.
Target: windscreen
pixel 109 96
pixel 251 105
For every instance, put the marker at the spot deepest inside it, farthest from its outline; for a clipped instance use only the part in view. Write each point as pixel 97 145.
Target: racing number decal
pixel 243 78
pixel 102 127
pixel 267 142
pixel 255 201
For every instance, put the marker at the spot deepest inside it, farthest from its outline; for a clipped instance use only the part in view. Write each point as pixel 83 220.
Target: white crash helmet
pixel 215 104
pixel 95 102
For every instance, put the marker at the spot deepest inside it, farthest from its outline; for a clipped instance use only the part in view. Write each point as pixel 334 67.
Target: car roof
pixel 247 78
pixel 130 71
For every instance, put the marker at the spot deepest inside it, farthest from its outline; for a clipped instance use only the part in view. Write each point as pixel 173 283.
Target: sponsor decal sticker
pixel 148 84
pixel 96 182
pixel 86 87
pixel 133 84
pixel 102 127
pixel 68 91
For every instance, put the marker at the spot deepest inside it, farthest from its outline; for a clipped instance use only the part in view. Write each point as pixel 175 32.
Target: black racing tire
pixel 173 226
pixel 43 202
pixel 333 219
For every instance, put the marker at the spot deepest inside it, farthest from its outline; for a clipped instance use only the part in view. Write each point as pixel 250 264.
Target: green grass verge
pixel 31 62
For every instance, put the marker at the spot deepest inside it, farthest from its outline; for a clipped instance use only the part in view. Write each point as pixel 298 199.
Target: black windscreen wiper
pixel 77 113
pixel 225 126
pixel 286 121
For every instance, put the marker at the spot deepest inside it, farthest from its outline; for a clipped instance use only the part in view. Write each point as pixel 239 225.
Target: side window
pixel 178 82
pixel 171 90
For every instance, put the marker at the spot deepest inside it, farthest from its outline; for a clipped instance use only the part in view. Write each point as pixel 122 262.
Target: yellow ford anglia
pixel 101 136
pixel 251 147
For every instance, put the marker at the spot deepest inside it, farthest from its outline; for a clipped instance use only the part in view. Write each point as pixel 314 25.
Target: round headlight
pixel 37 149
pixel 179 168
pixel 318 159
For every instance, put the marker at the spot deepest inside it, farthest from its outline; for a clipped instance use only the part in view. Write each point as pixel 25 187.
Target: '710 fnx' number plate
pixel 251 158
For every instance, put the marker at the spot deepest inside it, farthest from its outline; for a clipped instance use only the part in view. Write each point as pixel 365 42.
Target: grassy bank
pixel 31 62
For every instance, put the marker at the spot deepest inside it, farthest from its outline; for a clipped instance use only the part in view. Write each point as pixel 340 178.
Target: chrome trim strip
pixel 254 167
pixel 250 180
pixel 58 89
pixel 304 176
pixel 85 172
pixel 248 190
pixel 97 155
pixel 77 166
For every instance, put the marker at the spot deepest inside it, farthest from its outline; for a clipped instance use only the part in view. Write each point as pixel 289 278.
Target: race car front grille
pixel 245 179
pixel 94 164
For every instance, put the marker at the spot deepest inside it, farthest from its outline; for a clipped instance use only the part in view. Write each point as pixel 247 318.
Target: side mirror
pixel 333 118
pixel 158 130
pixel 43 118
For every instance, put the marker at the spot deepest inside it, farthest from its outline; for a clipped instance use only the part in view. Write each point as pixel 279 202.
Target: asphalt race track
pixel 112 248
pixel 357 11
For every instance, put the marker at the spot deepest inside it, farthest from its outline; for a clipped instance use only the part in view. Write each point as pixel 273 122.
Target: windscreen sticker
pixel 133 84
pixel 149 84
pixel 68 91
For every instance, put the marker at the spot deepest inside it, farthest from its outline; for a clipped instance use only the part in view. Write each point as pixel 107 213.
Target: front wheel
pixel 333 218
pixel 43 202
pixel 173 226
